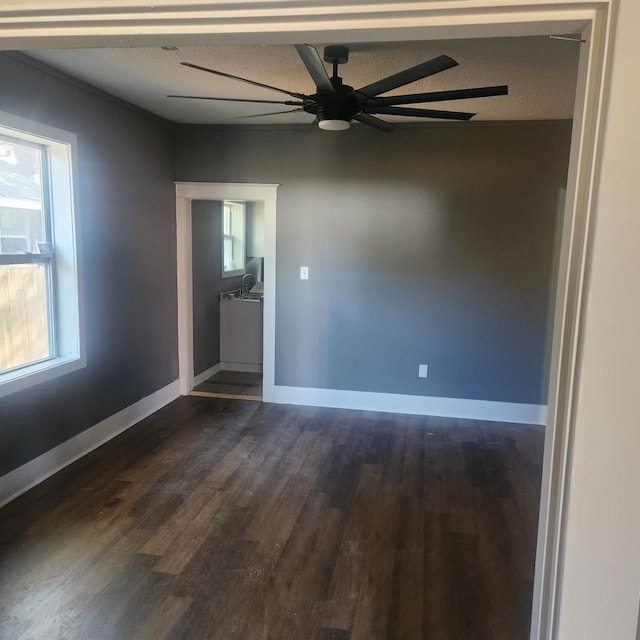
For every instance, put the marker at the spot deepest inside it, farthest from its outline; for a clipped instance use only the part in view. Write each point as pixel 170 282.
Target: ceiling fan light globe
pixel 334 125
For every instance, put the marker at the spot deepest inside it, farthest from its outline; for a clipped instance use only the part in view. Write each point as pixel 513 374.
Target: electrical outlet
pixel 423 370
pixel 304 273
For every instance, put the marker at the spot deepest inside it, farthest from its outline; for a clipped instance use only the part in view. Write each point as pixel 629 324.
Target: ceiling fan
pixel 335 104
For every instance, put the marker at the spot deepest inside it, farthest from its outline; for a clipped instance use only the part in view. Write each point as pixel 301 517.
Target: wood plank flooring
pixel 227 519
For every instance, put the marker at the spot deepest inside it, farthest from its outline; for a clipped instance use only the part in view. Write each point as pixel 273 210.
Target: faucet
pixel 244 289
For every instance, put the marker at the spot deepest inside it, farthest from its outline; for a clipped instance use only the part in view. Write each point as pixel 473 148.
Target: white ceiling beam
pixel 67 23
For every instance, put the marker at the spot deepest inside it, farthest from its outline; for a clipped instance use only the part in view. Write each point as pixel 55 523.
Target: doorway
pixel 263 199
pixel 228 298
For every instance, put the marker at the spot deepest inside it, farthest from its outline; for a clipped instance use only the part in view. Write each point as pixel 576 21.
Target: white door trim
pixel 130 23
pixel 574 265
pixel 54 23
pixel 186 192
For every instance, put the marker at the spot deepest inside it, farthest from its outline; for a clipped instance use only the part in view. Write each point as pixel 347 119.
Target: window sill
pixel 25 377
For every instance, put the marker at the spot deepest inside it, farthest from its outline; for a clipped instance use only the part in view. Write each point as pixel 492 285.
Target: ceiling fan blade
pixel 437 96
pixel 315 67
pixel 423 70
pixel 422 113
pixel 287 102
pixel 260 115
pixel 372 121
pixel 300 96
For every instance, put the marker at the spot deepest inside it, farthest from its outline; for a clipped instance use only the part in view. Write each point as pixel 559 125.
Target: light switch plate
pixel 423 370
pixel 304 273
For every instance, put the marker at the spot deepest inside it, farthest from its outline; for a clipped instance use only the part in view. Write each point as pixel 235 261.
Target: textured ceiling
pixel 540 72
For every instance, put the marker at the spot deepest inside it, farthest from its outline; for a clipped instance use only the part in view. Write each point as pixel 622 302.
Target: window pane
pixel 228 253
pixel 226 220
pixel 233 234
pixel 21 202
pixel 13 245
pixel 24 335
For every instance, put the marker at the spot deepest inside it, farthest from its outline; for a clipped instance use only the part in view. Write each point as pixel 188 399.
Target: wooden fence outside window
pixel 24 334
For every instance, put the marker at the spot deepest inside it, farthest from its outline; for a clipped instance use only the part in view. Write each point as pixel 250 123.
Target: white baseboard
pixel 205 375
pixel 226 366
pixel 415 405
pixel 241 366
pixel 35 471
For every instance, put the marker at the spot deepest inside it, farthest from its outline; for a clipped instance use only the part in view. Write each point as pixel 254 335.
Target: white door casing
pixel 186 192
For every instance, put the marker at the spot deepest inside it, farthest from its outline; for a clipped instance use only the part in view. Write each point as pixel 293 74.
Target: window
pixel 233 238
pixel 40 328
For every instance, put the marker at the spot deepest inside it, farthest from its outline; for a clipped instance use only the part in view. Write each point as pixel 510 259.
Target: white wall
pixel 600 581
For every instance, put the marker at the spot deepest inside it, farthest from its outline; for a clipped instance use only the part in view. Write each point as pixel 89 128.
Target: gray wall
pixel 207 283
pixel 430 245
pixel 126 207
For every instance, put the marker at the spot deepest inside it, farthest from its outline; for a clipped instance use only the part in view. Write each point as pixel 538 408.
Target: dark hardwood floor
pixel 228 519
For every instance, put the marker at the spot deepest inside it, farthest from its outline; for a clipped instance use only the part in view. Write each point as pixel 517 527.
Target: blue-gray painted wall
pixel 429 245
pixel 126 209
pixel 207 282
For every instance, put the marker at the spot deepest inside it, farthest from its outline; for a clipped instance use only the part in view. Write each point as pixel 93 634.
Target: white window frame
pixel 238 236
pixel 69 349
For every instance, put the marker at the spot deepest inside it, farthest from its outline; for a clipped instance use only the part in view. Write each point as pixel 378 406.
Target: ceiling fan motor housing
pixel 341 105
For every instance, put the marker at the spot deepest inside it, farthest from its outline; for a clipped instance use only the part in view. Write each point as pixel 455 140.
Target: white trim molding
pixel 186 192
pixel 205 375
pixel 61 23
pixel 35 471
pixel 414 405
